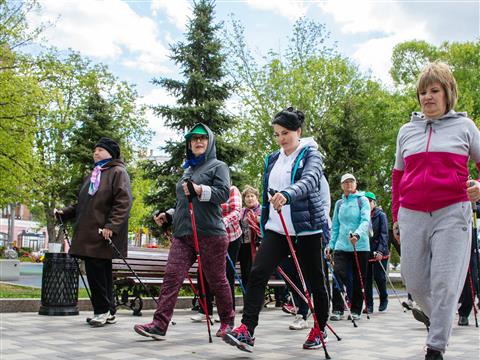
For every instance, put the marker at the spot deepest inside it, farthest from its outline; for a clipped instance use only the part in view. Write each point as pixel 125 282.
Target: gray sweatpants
pixel 435 254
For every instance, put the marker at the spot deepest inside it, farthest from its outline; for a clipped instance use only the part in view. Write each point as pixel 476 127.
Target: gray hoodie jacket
pixel 214 176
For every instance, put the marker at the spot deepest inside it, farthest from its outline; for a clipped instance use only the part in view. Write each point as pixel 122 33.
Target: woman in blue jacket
pixel 350 225
pixel 296 172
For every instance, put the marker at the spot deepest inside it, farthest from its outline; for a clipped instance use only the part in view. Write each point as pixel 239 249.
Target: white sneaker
pixel 110 320
pixel 199 317
pixel 99 319
pixel 298 323
pixel 216 318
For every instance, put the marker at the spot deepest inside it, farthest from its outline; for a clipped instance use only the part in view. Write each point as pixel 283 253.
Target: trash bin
pixel 59 285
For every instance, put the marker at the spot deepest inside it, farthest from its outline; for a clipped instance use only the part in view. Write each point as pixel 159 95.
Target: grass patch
pixel 8 291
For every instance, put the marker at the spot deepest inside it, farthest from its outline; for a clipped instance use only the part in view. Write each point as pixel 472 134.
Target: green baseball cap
pixel 197 130
pixel 371 196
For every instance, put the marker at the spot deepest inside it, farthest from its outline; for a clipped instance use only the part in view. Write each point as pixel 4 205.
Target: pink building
pixel 26 232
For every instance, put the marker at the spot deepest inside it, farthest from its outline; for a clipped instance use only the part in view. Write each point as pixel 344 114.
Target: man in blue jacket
pixel 378 253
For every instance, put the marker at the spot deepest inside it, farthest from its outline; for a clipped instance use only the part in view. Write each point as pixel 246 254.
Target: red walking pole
pixel 473 295
pixel 302 280
pixel 202 297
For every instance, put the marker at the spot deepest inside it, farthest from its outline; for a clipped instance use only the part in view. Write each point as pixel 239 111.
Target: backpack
pixel 359 202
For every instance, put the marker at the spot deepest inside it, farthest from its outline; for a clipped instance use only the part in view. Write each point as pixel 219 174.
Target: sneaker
pixel 313 340
pixel 99 319
pixel 463 321
pixel 433 354
pixel 419 315
pixel 150 330
pixel 199 317
pixel 383 305
pixel 240 337
pixel 299 323
pixel 336 316
pixel 216 319
pixel 224 329
pixel 110 320
pixel 354 316
pixel 289 309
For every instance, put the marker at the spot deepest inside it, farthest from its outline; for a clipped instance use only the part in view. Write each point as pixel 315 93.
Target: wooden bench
pixel 150 268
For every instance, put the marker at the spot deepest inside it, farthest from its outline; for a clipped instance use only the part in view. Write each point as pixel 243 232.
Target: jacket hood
pixel 355 194
pixel 304 142
pixel 211 152
pixel 451 115
pixel 308 141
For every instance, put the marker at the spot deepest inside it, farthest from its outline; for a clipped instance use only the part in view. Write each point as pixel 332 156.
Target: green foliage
pixel 409 58
pixel 201 96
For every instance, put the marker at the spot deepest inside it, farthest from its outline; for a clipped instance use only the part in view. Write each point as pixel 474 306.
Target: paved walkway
pixel 390 335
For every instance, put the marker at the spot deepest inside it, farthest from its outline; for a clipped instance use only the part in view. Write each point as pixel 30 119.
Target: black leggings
pixel 343 260
pixel 273 250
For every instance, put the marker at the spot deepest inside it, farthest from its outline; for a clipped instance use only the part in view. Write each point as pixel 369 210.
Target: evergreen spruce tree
pixel 95 121
pixel 201 95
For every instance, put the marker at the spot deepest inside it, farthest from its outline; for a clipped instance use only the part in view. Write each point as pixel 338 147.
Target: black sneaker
pixel 150 330
pixel 463 321
pixel 419 315
pixel 383 305
pixel 313 339
pixel 433 355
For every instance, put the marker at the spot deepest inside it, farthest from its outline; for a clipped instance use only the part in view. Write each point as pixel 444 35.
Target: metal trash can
pixel 59 285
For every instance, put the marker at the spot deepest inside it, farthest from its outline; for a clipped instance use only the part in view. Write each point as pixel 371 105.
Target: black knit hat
pixel 110 145
pixel 289 118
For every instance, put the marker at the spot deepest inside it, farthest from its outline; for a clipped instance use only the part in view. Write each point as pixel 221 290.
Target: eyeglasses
pixel 196 138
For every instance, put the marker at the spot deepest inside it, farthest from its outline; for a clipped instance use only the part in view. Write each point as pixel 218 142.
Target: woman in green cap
pixel 211 182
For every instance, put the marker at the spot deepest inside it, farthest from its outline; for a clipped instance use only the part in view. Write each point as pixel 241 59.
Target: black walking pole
pixel 343 294
pixel 110 242
pixel 65 234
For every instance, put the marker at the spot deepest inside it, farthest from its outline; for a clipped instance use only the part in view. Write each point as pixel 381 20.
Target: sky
pixel 132 37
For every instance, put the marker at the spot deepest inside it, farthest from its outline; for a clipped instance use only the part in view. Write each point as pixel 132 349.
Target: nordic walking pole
pixel 300 294
pixel 391 284
pixel 342 291
pixel 473 295
pixel 202 297
pixel 236 274
pixel 302 280
pixel 62 225
pixel 360 275
pixel 110 242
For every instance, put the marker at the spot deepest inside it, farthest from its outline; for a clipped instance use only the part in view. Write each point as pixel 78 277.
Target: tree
pixel 409 58
pixel 20 99
pixel 201 96
pixel 73 120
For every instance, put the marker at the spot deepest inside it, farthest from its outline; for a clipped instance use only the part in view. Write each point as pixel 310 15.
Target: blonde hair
pixel 439 72
pixel 249 189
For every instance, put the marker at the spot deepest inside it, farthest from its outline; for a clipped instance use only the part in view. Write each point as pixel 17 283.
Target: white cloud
pixel 177 11
pixel 159 96
pixel 388 22
pixel 108 30
pixel 291 9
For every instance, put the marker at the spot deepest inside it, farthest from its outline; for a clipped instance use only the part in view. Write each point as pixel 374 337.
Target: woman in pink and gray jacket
pixel 431 207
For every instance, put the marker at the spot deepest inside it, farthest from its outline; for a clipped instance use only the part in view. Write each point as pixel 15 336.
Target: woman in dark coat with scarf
pixel 104 202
